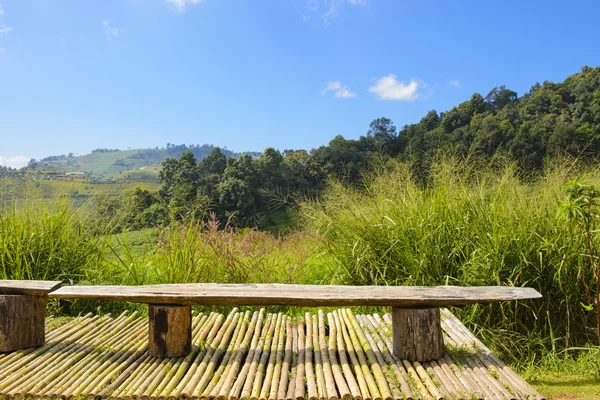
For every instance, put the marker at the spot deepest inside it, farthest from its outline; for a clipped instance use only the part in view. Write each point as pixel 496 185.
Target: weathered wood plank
pixel 298 295
pixel 33 288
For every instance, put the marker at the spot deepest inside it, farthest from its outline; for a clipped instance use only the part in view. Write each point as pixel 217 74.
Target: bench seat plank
pixel 31 288
pixel 298 295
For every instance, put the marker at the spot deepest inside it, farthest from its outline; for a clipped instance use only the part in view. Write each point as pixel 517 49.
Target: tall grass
pixel 213 252
pixel 466 227
pixel 48 242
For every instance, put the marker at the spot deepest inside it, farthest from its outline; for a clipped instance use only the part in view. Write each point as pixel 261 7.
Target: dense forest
pixel 550 120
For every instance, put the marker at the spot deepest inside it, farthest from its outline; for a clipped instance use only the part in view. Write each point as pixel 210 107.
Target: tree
pixel 581 208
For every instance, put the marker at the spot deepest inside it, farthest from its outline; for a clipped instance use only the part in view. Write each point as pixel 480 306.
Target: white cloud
pixel 329 9
pixel 454 83
pixel 389 88
pixel 14 162
pixel 181 4
pixel 338 90
pixel 333 9
pixel 1 10
pixel 5 29
pixel 111 32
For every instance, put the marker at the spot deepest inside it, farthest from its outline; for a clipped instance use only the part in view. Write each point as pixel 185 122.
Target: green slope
pixel 116 163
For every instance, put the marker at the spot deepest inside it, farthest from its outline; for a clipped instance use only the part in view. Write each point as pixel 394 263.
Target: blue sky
pixel 76 75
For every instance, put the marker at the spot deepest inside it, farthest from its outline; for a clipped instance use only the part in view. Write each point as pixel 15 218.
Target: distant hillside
pixel 115 163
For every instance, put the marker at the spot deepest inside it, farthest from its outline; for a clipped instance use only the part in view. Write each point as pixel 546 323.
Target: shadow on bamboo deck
pixel 256 356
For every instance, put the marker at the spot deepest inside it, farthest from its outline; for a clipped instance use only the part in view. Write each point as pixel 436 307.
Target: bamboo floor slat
pixel 256 356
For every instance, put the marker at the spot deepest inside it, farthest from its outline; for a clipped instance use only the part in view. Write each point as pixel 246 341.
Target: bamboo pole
pixel 276 375
pixel 509 376
pixel 299 385
pixel 254 362
pixel 294 373
pixel 330 387
pixel 55 335
pixel 186 386
pixel 68 365
pixel 376 342
pixel 311 383
pixel 426 379
pixel 260 365
pixel 81 369
pixel 474 361
pixel 168 366
pixel 411 373
pixel 365 360
pixel 11 372
pixel 134 380
pixel 336 330
pixel 21 380
pixel 254 333
pixel 269 367
pixel 284 382
pixel 342 372
pixel 199 328
pixel 356 366
pixel 189 365
pixel 207 368
pixel 243 385
pixel 92 363
pixel 318 362
pixel 236 353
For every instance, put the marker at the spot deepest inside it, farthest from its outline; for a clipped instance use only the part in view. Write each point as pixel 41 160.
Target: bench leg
pixel 417 333
pixel 169 330
pixel 22 321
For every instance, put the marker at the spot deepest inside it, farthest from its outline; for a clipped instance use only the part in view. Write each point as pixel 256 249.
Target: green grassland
pixel 107 163
pixel 39 187
pixel 147 174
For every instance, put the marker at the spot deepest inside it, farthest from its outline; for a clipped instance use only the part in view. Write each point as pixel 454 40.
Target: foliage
pixel 581 207
pixel 469 225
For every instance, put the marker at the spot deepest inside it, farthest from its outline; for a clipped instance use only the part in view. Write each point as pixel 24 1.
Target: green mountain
pixel 141 164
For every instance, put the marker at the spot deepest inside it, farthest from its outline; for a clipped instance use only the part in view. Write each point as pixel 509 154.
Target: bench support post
pixel 169 330
pixel 417 333
pixel 22 321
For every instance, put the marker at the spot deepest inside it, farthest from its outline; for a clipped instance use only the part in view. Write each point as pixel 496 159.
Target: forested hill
pixel 549 120
pixel 106 162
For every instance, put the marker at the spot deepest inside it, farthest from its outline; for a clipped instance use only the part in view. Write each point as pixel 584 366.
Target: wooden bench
pixel 417 333
pixel 23 313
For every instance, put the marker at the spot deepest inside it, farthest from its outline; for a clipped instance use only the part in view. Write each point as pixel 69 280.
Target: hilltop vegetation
pixel 115 162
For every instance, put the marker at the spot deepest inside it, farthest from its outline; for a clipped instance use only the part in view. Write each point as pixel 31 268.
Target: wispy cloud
pixel 389 88
pixel 328 10
pixel 454 83
pixel 14 162
pixel 5 29
pixel 111 32
pixel 338 90
pixel 180 5
pixel 1 11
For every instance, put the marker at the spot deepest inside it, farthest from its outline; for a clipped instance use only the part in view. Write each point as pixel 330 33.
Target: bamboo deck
pixel 255 356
